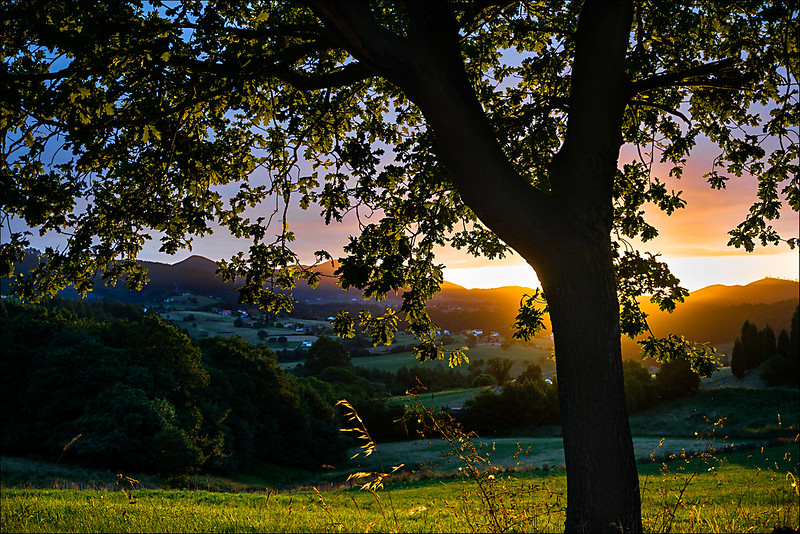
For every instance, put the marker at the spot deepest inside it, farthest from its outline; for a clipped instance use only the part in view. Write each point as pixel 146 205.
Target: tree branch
pixel 718 69
pixel 358 31
pixel 428 66
pixel 662 108
pixel 347 75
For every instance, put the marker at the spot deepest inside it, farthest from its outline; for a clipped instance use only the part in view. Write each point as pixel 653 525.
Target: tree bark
pixel 602 480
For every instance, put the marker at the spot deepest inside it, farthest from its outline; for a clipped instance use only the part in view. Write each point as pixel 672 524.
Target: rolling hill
pixel 712 314
pixel 716 313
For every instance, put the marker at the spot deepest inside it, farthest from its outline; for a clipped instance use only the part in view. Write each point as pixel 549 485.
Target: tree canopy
pixel 122 121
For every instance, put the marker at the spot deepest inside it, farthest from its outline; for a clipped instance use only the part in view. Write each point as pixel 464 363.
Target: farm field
pixel 208 324
pixel 519 453
pixel 521 355
pixel 736 492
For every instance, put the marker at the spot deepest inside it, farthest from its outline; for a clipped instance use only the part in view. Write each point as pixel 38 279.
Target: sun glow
pixel 492 276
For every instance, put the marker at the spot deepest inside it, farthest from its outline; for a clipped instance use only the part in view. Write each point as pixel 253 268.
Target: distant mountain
pixel 715 314
pixel 198 263
pixel 195 274
pixel 764 291
pixel 712 314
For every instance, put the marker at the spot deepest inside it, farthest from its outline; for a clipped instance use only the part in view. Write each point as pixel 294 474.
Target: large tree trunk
pixel 602 480
pixel 563 234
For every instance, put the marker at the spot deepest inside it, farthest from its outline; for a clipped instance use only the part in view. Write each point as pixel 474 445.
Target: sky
pixel 692 241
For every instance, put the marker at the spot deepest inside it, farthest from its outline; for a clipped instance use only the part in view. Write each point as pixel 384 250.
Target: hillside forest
pixel 108 385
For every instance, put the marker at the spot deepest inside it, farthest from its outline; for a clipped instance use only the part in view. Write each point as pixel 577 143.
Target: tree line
pixel 778 359
pixel 135 393
pixel 106 385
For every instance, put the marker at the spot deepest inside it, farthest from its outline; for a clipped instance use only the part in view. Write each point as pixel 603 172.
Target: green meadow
pixel 744 491
pixel 520 354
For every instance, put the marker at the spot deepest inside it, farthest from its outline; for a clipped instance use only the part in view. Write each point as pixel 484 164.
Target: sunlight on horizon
pixel 492 276
pixel 694 272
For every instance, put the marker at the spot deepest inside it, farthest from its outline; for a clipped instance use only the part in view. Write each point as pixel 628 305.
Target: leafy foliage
pixel 138 395
pixel 128 119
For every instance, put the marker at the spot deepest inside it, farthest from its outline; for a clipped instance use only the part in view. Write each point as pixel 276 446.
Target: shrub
pixel 483 380
pixel 640 391
pixel 676 379
pixel 775 371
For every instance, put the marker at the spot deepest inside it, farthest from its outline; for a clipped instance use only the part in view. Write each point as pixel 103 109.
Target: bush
pixel 775 371
pixel 483 380
pixel 676 379
pixel 640 391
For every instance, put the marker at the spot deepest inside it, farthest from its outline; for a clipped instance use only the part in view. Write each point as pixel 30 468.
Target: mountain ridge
pixel 713 314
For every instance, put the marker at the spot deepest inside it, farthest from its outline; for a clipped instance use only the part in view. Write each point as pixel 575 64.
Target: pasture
pixel 746 491
pixel 519 453
pixel 209 324
pixel 520 354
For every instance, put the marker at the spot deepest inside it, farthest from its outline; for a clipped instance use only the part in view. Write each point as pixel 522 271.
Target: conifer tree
pixel 750 345
pixel 766 338
pixel 738 359
pixel 794 348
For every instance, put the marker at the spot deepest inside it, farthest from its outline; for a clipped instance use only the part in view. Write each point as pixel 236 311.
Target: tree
pixel 676 379
pixel 325 352
pixel 504 120
pixel 532 373
pixel 500 369
pixel 767 344
pixel 794 348
pixel 750 345
pixel 782 345
pixel 738 360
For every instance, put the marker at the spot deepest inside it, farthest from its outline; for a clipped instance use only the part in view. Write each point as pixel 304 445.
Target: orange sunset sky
pixel 692 241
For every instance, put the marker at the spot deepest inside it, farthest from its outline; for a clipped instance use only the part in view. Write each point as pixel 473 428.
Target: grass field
pixel 520 453
pixel 208 324
pixel 747 413
pixel 443 399
pixel 521 355
pixel 738 492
